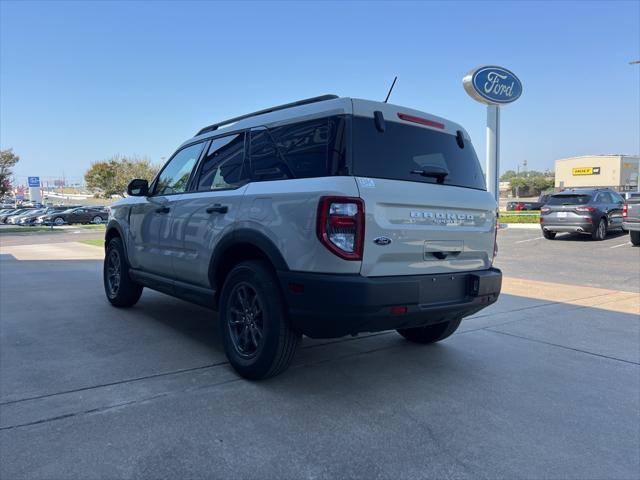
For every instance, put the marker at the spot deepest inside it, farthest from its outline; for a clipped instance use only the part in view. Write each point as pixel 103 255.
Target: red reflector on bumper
pixel 398 311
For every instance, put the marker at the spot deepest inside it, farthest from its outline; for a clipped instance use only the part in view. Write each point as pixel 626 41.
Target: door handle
pixel 217 208
pixel 163 210
pixel 443 255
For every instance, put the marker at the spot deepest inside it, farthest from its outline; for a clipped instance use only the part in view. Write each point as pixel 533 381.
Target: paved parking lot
pixel 545 383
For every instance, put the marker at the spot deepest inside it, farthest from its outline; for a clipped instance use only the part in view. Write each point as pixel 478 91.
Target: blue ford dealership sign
pixel 34 181
pixel 492 85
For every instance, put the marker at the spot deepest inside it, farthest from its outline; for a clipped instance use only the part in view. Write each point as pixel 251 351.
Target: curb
pixel 522 226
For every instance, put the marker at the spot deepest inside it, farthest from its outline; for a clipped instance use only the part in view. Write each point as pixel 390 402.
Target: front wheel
pixel 635 237
pixel 97 219
pixel 256 334
pixel 548 235
pixel 430 333
pixel 600 232
pixel 121 290
pixel 58 221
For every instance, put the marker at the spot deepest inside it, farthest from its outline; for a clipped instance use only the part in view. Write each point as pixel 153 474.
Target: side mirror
pixel 138 188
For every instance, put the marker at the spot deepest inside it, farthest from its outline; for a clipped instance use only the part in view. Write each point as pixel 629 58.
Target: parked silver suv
pixel 324 217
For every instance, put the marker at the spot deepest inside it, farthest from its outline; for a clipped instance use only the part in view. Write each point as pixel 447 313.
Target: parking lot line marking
pixel 621 245
pixel 529 240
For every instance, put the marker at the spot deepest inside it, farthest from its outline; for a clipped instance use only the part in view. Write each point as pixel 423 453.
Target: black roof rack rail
pixel 306 101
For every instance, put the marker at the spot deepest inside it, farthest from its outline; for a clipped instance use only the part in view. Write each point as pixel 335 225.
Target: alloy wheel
pixel 246 320
pixel 113 272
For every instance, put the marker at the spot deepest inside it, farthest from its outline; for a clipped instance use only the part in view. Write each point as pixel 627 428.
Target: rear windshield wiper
pixel 435 172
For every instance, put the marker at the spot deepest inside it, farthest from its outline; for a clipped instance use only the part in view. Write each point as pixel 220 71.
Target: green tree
pixel 111 176
pixel 8 159
pixel 508 175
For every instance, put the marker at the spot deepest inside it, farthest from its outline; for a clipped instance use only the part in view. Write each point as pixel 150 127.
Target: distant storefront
pixel 618 172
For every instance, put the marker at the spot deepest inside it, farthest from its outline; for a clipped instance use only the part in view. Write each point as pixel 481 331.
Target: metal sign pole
pixel 492 166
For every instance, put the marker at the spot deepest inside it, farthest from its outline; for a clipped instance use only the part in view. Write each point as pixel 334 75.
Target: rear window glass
pixel 394 153
pixel 568 199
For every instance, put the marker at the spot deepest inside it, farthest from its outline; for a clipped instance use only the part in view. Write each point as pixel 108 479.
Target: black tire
pixel 635 237
pixel 58 221
pixel 120 289
pixel 548 235
pixel 430 333
pixel 600 230
pixel 97 219
pixel 256 334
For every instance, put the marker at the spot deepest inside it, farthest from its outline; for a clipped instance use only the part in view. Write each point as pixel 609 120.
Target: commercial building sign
pixel 492 85
pixel 585 171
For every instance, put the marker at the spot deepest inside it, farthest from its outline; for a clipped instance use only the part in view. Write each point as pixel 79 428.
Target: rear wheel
pixel 635 237
pixel 256 334
pixel 600 232
pixel 548 235
pixel 96 219
pixel 430 333
pixel 58 221
pixel 121 290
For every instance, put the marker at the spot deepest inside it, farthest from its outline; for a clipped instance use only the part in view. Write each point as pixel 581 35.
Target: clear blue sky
pixel 82 81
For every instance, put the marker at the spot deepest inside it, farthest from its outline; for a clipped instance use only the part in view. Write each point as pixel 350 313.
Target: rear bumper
pixel 330 306
pixel 631 226
pixel 574 227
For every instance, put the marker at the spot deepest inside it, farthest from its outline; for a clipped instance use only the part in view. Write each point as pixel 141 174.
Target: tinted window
pixel 175 175
pixel 301 150
pixel 223 165
pixel 616 198
pixel 604 197
pixel 394 153
pixel 568 199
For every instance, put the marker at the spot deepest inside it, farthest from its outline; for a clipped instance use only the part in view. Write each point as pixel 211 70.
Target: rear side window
pixel 568 199
pixel 223 166
pixel 401 148
pixel 314 148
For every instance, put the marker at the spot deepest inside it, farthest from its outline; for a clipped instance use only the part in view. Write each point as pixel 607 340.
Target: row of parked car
pixel 56 215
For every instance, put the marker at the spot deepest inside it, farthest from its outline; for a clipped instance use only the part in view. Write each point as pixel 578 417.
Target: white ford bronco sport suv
pixel 324 217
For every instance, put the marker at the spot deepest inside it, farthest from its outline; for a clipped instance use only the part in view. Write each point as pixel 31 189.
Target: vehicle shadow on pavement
pixel 581 237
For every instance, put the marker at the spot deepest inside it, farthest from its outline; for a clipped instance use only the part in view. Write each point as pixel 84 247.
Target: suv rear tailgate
pixel 432 228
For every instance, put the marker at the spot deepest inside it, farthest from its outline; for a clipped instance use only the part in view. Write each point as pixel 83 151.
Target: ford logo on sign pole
pixel 493 86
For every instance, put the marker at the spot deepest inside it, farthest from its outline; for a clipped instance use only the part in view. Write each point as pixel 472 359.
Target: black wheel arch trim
pixel 113 225
pixel 252 237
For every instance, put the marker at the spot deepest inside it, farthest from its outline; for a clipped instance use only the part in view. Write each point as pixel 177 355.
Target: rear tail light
pixel 625 210
pixel 585 209
pixel 340 226
pixel 545 210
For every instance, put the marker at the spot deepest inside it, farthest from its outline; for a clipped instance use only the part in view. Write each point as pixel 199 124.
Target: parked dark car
pixel 16 211
pixel 76 215
pixel 519 206
pixel 30 218
pixel 582 210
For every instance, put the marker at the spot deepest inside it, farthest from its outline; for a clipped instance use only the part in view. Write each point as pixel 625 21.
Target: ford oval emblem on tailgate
pixel 382 241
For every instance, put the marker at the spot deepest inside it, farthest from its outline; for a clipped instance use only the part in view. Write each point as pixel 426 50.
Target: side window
pixel 616 197
pixel 175 174
pixel 314 148
pixel 603 197
pixel 266 161
pixel 223 166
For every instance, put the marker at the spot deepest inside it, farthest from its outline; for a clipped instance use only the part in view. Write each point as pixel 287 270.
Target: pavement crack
pixel 110 384
pixel 491 329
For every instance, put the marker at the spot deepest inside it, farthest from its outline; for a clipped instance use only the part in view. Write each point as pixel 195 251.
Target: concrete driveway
pixel 544 384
